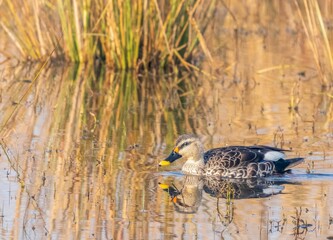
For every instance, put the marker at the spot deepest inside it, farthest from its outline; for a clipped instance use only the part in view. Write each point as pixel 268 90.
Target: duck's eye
pixel 185 144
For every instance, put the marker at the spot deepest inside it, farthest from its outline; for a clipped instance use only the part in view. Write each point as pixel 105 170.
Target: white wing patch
pixel 274 156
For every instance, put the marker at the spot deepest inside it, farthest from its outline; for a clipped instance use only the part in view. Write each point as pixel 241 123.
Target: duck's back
pixel 246 161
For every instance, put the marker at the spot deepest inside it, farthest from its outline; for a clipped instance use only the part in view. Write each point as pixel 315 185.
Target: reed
pixel 312 19
pixel 126 34
pixel 21 21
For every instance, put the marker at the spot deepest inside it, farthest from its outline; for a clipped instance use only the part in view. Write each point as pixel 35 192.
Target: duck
pixel 231 161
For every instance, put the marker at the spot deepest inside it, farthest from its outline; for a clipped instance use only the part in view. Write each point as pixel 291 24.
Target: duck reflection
pixel 186 192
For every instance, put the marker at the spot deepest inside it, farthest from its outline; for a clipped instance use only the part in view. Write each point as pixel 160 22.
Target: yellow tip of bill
pixel 163 186
pixel 164 163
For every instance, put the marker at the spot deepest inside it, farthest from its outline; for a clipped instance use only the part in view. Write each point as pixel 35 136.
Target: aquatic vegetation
pixel 126 34
pixel 316 30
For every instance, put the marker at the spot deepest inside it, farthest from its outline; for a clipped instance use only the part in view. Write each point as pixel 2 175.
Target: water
pixel 80 153
pixel 267 209
pixel 80 160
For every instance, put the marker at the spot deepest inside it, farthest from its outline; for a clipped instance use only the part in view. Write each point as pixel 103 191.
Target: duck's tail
pixel 283 165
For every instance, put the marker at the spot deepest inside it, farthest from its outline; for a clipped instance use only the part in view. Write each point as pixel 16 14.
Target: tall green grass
pixel 126 34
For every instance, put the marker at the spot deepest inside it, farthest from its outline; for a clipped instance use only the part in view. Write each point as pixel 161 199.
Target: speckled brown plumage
pixel 233 161
pixel 240 162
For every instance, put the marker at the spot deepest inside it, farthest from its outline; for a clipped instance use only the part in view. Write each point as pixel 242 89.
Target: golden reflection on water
pixel 80 153
pixel 80 156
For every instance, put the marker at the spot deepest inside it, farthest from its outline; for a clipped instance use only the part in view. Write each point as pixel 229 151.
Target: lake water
pixel 80 146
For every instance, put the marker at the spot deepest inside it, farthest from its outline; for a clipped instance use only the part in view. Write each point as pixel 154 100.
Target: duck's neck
pixel 194 166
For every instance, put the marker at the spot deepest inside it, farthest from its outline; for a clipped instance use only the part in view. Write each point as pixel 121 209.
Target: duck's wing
pixel 270 153
pixel 268 148
pixel 237 156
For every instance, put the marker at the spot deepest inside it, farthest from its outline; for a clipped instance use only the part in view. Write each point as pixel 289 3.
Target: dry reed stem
pixel 316 34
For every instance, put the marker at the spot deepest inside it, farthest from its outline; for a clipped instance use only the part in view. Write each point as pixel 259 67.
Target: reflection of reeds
pixel 141 106
pixel 126 34
pixel 72 136
pixel 228 217
pixel 318 40
pixel 86 122
pixel 301 227
pixel 124 114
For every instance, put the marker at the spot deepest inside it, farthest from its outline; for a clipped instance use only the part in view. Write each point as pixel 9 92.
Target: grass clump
pixel 126 34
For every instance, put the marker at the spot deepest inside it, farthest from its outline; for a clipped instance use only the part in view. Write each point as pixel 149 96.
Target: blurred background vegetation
pixel 151 34
pixel 125 34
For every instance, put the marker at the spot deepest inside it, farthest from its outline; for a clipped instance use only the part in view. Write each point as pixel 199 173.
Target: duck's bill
pixel 171 158
pixel 164 163
pixel 163 186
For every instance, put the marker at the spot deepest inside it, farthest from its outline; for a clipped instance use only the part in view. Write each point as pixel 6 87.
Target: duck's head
pixel 187 146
